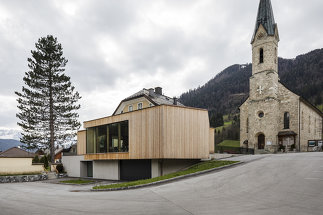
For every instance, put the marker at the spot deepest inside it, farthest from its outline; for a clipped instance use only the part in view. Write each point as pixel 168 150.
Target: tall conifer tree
pixel 48 102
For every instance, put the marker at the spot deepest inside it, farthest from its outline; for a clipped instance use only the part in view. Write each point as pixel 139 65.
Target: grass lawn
pixel 196 168
pixel 77 181
pixel 320 107
pixel 226 124
pixel 230 143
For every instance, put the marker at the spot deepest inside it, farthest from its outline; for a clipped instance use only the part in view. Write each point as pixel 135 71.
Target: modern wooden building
pixel 144 143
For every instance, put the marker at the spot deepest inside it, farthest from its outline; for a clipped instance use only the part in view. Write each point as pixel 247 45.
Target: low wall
pixel 22 178
pixel 72 165
pixel 171 166
pixel 19 166
pixel 106 169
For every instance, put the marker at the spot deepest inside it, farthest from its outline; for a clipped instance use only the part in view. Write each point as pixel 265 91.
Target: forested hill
pixel 227 91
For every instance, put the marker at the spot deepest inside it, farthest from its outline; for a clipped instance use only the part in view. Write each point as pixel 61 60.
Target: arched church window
pixel 309 124
pixel 247 125
pixel 261 55
pixel 286 120
pixel 302 120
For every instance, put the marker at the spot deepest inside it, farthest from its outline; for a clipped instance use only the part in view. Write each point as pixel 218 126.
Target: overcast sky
pixel 117 47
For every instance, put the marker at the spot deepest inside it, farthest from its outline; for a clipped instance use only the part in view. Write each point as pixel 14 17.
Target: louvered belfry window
pixel 261 56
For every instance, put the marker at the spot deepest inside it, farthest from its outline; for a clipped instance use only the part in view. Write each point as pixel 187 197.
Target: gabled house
pixel 145 142
pixel 18 161
pixel 145 98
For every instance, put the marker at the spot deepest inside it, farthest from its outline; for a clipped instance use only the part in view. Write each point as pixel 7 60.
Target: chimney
pixel 159 90
pixel 175 101
pixel 151 91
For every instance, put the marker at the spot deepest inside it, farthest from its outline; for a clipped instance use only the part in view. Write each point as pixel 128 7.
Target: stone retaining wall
pixel 22 178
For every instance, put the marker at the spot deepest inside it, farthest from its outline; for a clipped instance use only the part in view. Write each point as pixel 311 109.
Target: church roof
pixel 265 18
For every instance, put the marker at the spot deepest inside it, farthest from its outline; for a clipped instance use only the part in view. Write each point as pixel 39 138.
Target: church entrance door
pixel 261 141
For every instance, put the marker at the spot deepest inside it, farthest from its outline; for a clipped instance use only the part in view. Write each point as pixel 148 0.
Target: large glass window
pixel 90 140
pixel 108 138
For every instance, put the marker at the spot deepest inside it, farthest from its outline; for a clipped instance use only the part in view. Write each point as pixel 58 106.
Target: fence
pixel 233 150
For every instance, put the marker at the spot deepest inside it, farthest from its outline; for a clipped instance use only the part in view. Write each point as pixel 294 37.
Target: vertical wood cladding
pixel 159 132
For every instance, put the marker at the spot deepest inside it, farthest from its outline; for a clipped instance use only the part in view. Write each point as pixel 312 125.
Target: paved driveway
pixel 276 184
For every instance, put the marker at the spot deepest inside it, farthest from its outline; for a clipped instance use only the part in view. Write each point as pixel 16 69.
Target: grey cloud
pixel 227 27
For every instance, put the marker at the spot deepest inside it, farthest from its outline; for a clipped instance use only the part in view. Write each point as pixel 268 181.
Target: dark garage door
pixel 135 169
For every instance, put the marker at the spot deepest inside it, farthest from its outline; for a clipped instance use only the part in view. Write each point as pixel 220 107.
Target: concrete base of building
pixel 76 166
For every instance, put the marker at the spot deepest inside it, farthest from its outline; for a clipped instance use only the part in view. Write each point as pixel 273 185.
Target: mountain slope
pixel 227 91
pixel 8 143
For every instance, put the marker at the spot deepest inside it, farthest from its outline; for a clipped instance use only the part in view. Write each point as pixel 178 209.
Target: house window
pixel 130 108
pixel 108 138
pixel 261 55
pixel 140 106
pixel 247 125
pixel 286 120
pixel 150 105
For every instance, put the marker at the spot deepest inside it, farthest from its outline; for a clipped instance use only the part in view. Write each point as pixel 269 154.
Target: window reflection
pixel 108 138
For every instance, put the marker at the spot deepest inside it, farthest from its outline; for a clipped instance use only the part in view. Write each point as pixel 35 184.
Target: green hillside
pixel 229 89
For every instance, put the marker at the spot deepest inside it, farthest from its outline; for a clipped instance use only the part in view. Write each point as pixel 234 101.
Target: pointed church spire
pixel 266 18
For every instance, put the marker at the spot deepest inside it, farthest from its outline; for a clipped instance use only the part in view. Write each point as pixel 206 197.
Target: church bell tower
pixel 264 82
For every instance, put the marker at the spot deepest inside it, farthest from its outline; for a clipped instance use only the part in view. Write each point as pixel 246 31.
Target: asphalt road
pixel 274 184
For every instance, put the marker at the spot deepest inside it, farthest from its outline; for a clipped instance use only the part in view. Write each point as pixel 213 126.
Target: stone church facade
pixel 273 117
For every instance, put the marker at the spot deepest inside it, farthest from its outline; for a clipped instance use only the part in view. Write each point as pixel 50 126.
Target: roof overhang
pixel 286 133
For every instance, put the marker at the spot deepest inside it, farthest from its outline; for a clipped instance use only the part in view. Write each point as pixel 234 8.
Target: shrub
pixel 60 168
pixel 44 160
pixel 41 160
pixel 281 147
pixel 36 159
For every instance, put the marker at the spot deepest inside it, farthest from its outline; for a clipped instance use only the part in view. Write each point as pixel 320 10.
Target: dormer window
pixel 140 106
pixel 130 108
pixel 261 55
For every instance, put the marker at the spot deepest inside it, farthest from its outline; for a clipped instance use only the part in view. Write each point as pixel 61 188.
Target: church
pixel 273 118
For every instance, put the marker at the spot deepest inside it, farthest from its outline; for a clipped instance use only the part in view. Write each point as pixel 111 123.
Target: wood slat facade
pixel 160 132
pixel 81 142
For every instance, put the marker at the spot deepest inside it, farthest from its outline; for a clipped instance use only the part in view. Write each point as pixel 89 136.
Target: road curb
pixel 171 179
